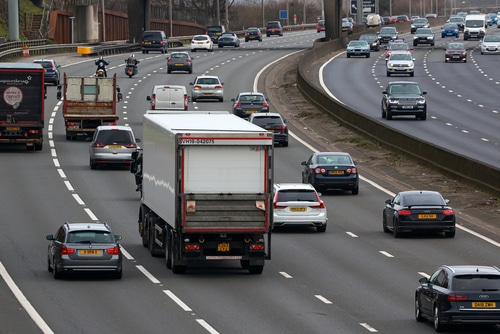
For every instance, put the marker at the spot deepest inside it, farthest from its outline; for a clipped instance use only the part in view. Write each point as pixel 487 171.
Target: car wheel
pixel 383 112
pixel 423 117
pixel 418 311
pixel 118 274
pixel 93 165
pixel 445 60
pixel 193 99
pixel 450 234
pixel 321 228
pixel 221 99
pixel 285 144
pixel 384 224
pixel 348 56
pixel 414 44
pixel 395 232
pixel 388 73
pixel 412 74
pixel 55 272
pixel 438 327
pixel 220 46
pixel 432 44
pixel 169 71
pixel 388 115
pixel 193 50
pixel 367 55
pixel 190 71
pixel 256 270
pixel 355 191
pixel 49 267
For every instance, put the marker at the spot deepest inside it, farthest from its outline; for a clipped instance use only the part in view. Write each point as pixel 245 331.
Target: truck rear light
pixel 113 251
pixel 192 247
pixel 33 131
pixel 190 206
pixel 67 250
pixel 257 247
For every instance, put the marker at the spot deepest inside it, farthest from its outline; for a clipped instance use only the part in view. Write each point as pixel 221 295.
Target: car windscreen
pixel 410 89
pixel 151 36
pixel 476 282
pixel 293 195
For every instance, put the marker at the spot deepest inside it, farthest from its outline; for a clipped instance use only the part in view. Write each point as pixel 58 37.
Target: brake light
pixel 456 298
pixel 208 42
pixel 281 127
pixel 265 105
pixel 113 251
pixel 188 60
pixel 319 170
pixel 130 145
pixel 237 104
pixel 185 102
pixel 320 206
pixel 404 212
pixel 352 170
pixel 218 87
pixel 256 247
pixel 192 247
pixel 447 212
pixel 67 250
pixel 197 87
pixel 246 33
pixel 98 145
pixel 169 60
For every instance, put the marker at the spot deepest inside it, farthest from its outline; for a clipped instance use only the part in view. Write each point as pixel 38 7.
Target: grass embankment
pixel 26 8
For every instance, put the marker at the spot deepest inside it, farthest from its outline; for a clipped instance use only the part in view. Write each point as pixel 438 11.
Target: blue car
pixel 450 29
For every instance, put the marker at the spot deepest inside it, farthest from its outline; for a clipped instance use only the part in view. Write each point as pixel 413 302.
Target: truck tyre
pixel 256 270
pixel 154 249
pixel 38 147
pixel 168 248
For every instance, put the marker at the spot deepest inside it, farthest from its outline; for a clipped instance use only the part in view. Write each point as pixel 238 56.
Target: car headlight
pixel 412 26
pixel 430 37
pixel 421 101
pixel 415 37
pixel 393 100
pixel 466 30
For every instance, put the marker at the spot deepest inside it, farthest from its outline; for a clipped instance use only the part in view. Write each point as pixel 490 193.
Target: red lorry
pixel 22 92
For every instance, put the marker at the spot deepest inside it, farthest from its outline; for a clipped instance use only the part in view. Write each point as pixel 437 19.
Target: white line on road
pixel 386 254
pixel 177 300
pixel 148 274
pixel 205 325
pixel 285 275
pixel 323 299
pixel 370 328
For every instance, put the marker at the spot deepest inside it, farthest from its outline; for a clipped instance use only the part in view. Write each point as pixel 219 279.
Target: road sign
pixel 368 6
pixel 283 14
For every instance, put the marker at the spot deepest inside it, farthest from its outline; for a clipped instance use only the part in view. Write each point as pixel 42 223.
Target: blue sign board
pixel 283 14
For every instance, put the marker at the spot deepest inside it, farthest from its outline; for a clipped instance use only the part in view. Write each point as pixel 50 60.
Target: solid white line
pixel 205 325
pixel 285 275
pixel 177 300
pixel 323 299
pixel 24 302
pixel 480 236
pixel 90 214
pixel 147 274
pixel 351 234
pixel 370 328
pixel 386 254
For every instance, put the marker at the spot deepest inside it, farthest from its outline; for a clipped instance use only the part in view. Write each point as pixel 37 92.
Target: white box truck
pixel 207 181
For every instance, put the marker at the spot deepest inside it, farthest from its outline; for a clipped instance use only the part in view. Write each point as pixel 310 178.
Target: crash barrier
pixel 450 163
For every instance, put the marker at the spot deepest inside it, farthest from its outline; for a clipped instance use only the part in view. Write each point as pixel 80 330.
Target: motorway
pixel 351 279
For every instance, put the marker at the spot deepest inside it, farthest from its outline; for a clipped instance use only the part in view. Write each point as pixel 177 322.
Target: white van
pixel 373 20
pixel 168 97
pixel 474 26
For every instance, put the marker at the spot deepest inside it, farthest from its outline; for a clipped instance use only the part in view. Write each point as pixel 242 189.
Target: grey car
pixel 358 48
pixel 84 246
pixel 247 103
pixel 179 61
pixel 112 145
pixel 423 36
pixel 207 87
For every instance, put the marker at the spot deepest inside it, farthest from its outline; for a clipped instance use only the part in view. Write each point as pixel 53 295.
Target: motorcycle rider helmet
pixel 132 55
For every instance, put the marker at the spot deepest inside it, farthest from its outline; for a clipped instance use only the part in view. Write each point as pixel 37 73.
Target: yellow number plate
pixel 484 304
pixel 114 146
pixel 298 209
pixel 251 111
pixel 179 64
pixel 90 252
pixel 426 216
pixel 223 247
pixel 337 172
pixel 13 128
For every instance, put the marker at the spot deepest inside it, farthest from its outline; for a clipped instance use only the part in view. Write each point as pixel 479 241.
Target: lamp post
pixel 103 22
pixel 72 18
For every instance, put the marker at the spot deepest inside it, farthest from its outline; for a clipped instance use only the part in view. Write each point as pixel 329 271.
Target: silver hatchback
pixel 112 144
pixel 88 246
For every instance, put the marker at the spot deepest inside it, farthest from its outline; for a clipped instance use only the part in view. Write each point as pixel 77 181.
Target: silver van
pixel 168 97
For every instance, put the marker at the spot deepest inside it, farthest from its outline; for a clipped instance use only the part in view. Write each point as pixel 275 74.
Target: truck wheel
pixel 154 249
pixel 38 147
pixel 256 270
pixel 168 249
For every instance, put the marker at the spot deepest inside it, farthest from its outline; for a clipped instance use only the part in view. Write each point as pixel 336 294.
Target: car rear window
pixel 90 237
pixel 267 120
pixel 45 64
pixel 273 25
pixel 307 195
pixel 422 199
pixel 114 137
pixel 200 38
pixel 475 282
pixel 152 36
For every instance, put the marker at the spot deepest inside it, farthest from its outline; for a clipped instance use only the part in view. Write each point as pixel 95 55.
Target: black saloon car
pixel 247 103
pixel 418 210
pixel 253 34
pixel 463 294
pixel 331 170
pixel 403 98
pixel 52 74
pixel 372 39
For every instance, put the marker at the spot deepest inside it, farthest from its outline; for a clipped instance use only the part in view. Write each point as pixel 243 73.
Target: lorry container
pixel 207 181
pixel 88 102
pixel 23 94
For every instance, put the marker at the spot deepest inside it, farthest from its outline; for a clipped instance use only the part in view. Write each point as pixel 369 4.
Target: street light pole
pixel 103 22
pixel 72 18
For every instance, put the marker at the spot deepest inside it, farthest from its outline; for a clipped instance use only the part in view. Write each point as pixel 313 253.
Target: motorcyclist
pixel 101 65
pixel 136 169
pixel 132 61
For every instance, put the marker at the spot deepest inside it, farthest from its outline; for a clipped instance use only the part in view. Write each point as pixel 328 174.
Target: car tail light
pixel 352 170
pixel 185 102
pixel 447 212
pixel 456 298
pixel 113 251
pixel 161 42
pixel 319 170
pixel 218 87
pixel 265 104
pixel 130 145
pixel 153 101
pixel 320 206
pixel 246 33
pixel 67 250
pixel 404 212
pixel 169 60
pixel 192 41
pixel 281 127
pixel 197 87
pixel 237 104
pixel 98 145
pixel 188 60
pixel 208 42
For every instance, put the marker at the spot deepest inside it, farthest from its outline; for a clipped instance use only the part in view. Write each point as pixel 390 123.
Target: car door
pixel 390 210
pixel 306 172
pixel 431 291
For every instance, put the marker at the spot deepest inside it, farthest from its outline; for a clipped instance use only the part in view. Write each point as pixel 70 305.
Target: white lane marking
pixel 126 254
pixel 61 173
pixel 351 234
pixel 147 274
pixel 78 199
pixel 24 302
pixel 90 214
pixel 323 299
pixel 285 275
pixel 177 300
pixel 368 327
pixel 205 325
pixel 421 273
pixel 386 254
pixel 69 186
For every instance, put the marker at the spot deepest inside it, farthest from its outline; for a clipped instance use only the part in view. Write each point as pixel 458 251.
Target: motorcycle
pixel 130 70
pixel 99 73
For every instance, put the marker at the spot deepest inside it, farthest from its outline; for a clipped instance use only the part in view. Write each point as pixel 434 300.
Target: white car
pixel 298 204
pixel 400 63
pixel 490 44
pixel 202 42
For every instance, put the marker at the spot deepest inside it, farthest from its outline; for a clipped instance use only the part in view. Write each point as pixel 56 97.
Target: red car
pixel 320 26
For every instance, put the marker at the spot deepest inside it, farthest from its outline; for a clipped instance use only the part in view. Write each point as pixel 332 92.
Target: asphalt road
pixel 351 279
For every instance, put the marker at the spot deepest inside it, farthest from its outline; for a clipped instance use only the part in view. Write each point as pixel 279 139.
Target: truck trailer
pixel 207 181
pixel 22 101
pixel 88 102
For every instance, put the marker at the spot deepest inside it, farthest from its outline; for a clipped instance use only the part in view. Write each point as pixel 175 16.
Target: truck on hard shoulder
pixel 23 94
pixel 207 181
pixel 88 102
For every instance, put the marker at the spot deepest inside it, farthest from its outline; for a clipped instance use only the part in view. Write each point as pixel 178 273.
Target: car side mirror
pixel 118 237
pixel 424 92
pixel 423 280
pixel 148 98
pixel 137 140
pixel 304 163
pixel 384 92
pixel 232 100
pixel 50 237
